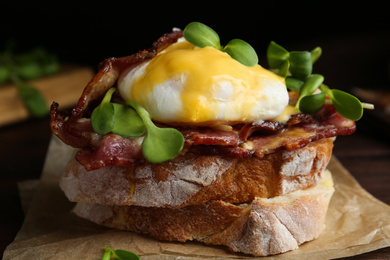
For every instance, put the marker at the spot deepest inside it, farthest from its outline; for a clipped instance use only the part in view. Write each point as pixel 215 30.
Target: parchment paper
pixel 356 223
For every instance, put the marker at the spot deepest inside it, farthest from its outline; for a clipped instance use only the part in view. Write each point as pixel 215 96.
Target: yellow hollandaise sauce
pixel 187 84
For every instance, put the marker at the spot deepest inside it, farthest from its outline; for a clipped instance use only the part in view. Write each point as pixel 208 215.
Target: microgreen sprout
pixel 242 52
pixel 312 103
pixel 119 254
pixel 311 84
pixel 296 67
pixel 301 65
pixel 202 35
pixel 116 118
pixel 347 105
pixel 124 115
pixel 21 67
pixel 102 117
pixel 32 98
pixel 159 144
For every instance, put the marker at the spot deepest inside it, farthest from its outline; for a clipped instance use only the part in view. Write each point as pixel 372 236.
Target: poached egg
pixel 185 84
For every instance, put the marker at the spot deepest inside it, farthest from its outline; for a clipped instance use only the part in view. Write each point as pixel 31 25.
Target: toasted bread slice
pixel 261 227
pixel 193 180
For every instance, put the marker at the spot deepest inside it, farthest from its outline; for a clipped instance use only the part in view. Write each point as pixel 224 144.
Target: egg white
pixel 165 102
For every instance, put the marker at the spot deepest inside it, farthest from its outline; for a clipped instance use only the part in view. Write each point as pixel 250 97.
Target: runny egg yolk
pixel 186 84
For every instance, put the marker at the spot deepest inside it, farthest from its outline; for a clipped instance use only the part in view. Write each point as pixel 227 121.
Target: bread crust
pixel 261 227
pixel 194 180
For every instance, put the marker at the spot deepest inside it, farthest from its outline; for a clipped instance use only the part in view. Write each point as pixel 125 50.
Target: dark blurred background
pixel 355 37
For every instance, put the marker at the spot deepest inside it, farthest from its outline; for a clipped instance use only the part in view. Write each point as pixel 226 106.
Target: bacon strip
pixel 110 69
pixel 113 150
pixel 294 138
pixel 210 136
pixel 75 132
pixel 121 151
pixel 265 126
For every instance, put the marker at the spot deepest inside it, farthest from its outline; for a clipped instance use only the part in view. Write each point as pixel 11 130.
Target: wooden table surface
pixel 366 154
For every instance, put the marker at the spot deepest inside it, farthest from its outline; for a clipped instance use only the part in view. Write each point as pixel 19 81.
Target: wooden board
pixel 64 87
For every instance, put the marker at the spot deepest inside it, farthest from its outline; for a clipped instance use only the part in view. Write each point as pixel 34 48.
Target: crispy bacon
pixel 295 137
pixel 110 69
pixel 209 136
pixel 113 150
pixel 75 132
pixel 243 140
pixel 264 126
pixel 325 124
pixel 299 118
pixel 120 151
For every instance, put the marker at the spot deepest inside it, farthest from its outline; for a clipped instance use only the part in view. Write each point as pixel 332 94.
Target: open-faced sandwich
pixel 191 140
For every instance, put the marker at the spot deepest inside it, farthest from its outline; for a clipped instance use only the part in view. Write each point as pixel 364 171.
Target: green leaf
pixel 347 105
pixel 242 51
pixel 102 117
pixel 33 100
pixel 119 254
pixel 294 84
pixel 309 86
pixel 315 54
pixel 159 144
pixel 35 64
pixel 284 69
pixel 29 71
pixel 31 97
pixel 301 65
pixel 312 103
pixel 301 81
pixel 5 74
pixel 127 122
pixel 201 35
pixel 51 64
pixel 162 144
pixel 106 255
pixel 125 255
pixel 276 55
